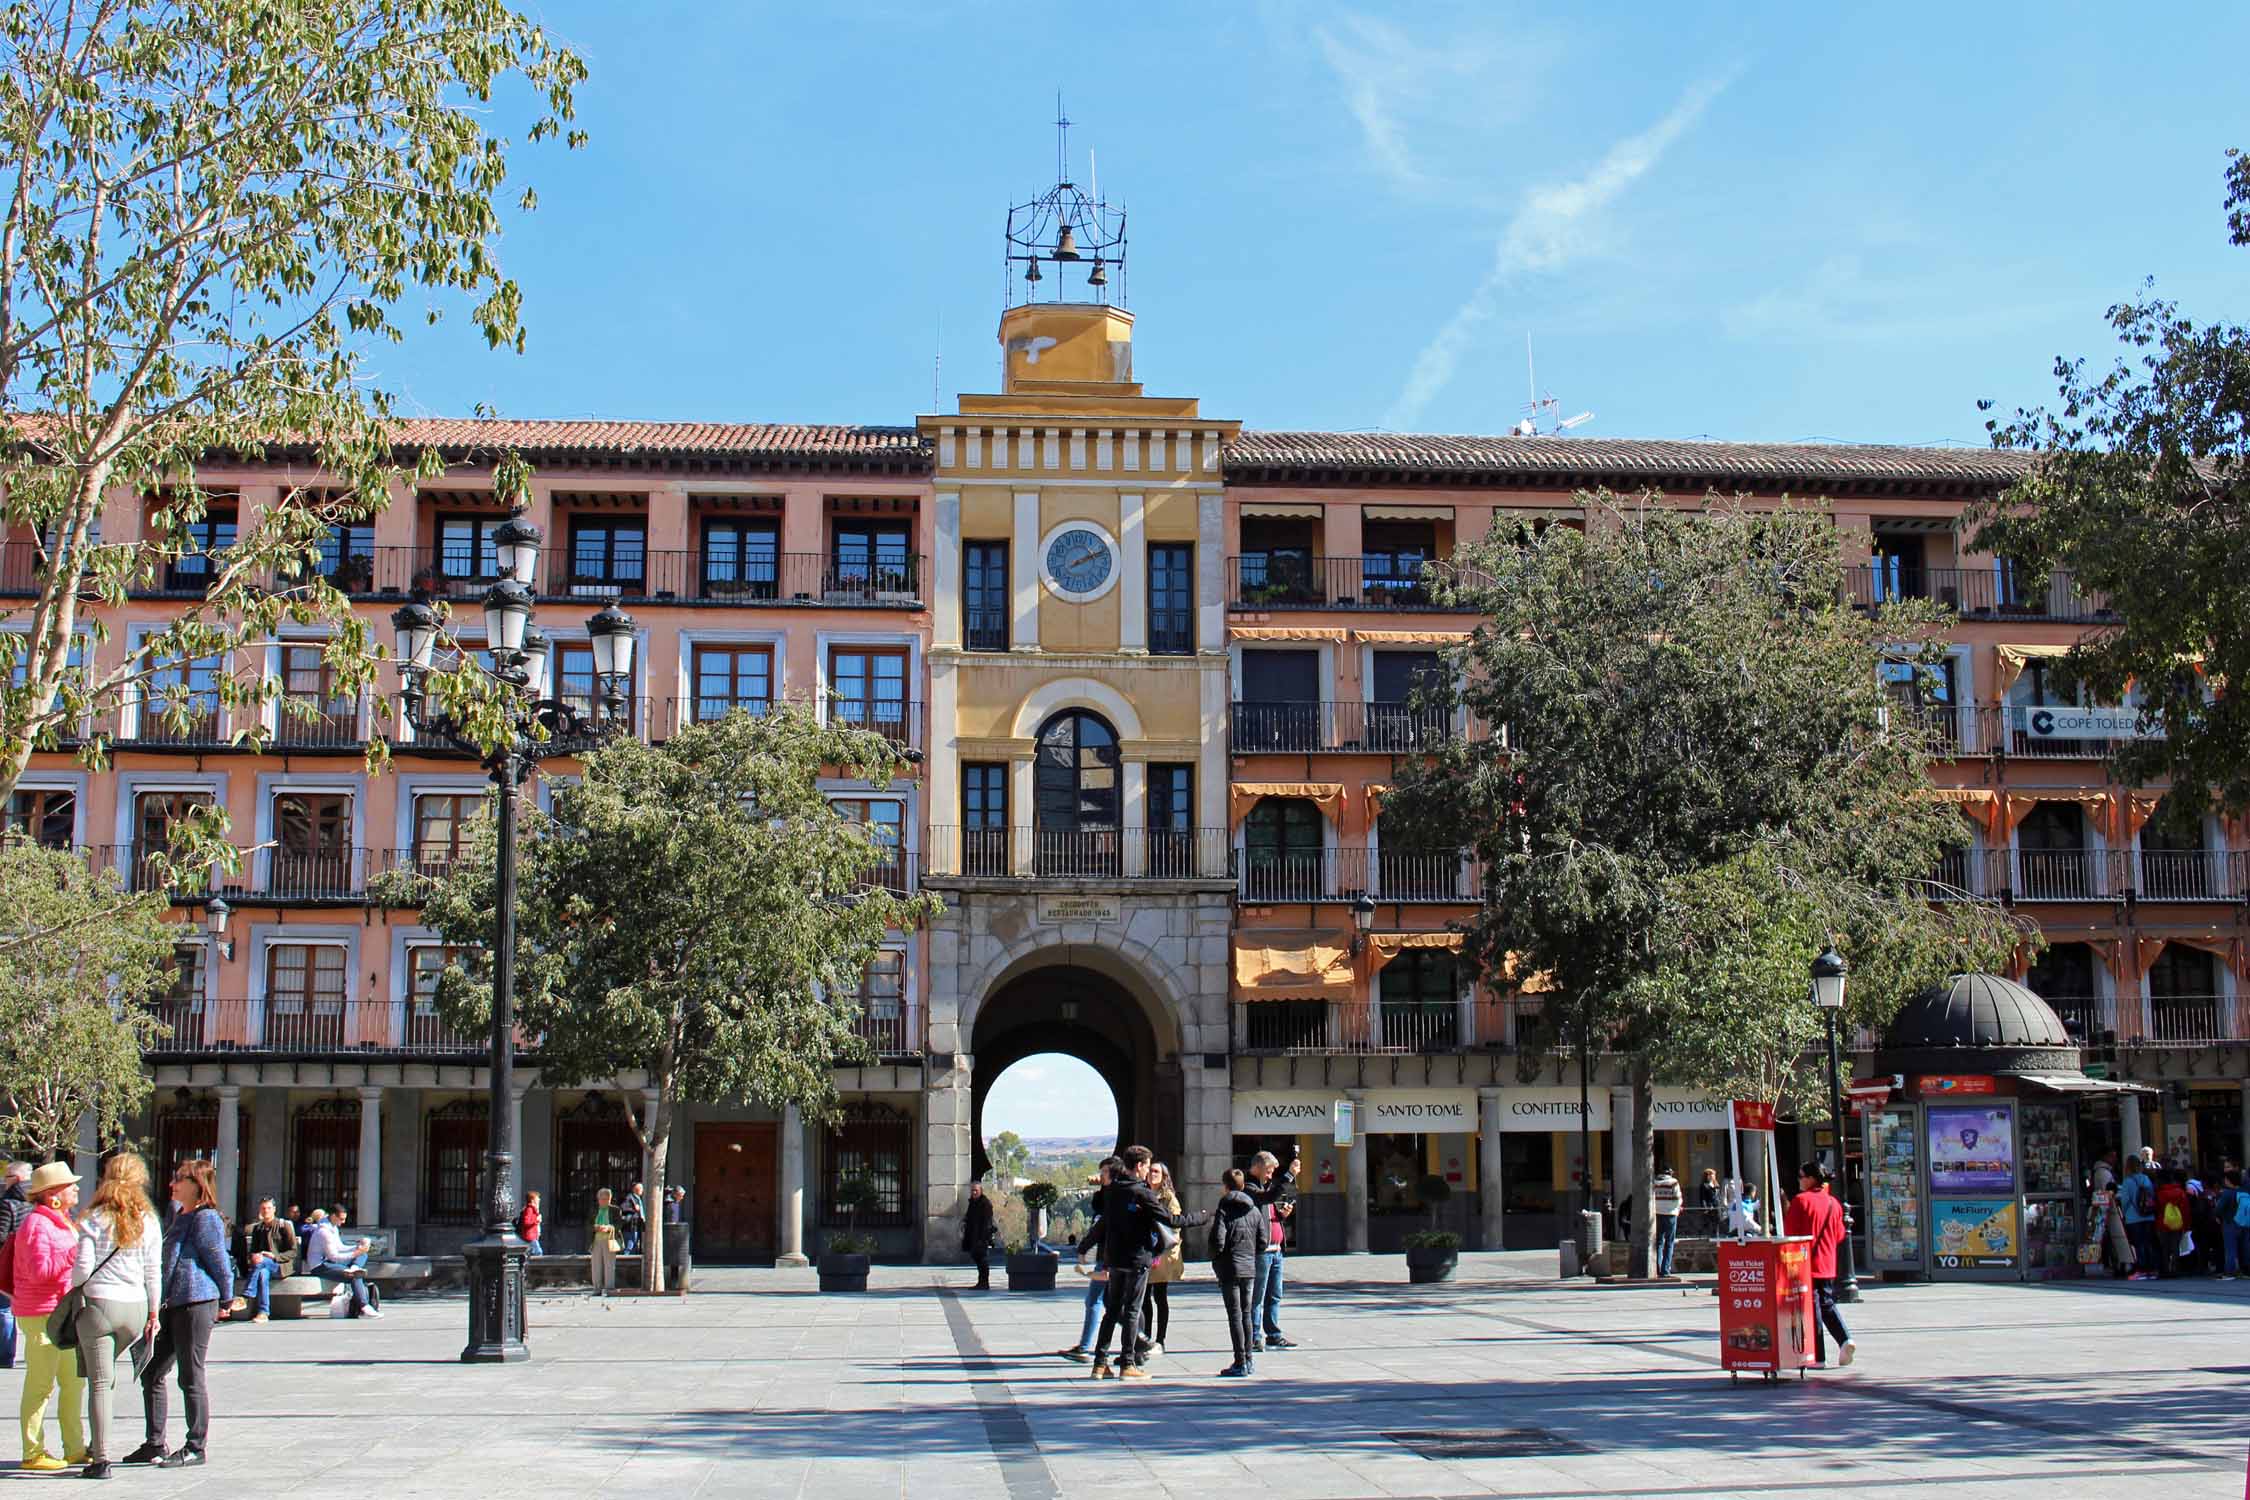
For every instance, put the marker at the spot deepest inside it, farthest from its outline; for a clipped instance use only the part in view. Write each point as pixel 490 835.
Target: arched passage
pixel 1090 1016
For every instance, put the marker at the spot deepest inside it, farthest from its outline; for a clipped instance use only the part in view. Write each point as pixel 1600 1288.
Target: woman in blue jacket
pixel 198 1285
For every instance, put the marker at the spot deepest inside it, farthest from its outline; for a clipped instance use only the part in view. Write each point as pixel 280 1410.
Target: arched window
pixel 1076 794
pixel 2183 995
pixel 1281 851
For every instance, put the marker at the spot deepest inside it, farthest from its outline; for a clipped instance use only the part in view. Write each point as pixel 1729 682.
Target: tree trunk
pixel 1643 1252
pixel 652 1204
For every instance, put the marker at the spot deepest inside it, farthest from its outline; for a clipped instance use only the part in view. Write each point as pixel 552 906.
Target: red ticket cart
pixel 1765 1307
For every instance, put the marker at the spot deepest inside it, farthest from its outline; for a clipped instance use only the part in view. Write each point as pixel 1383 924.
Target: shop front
pixel 1543 1160
pixel 1413 1136
pixel 1299 1124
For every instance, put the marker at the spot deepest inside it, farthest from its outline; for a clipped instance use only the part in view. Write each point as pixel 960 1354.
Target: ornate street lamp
pixel 537 725
pixel 1828 972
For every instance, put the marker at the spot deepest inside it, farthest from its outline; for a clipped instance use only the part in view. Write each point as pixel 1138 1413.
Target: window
pixel 1277 565
pixel 305 994
pixel 2051 854
pixel 181 1006
pixel 454 1142
pixel 441 828
pixel 984 818
pixel 741 559
pixel 1171 820
pixel 575 681
pixel 1405 871
pixel 1395 553
pixel 867 690
pixel 594 1148
pixel 1281 851
pixel 308 683
pixel 347 556
pixel 327 1155
pixel 312 833
pixel 1075 785
pixel 1171 598
pixel 2183 995
pixel 1924 695
pixel 466 549
pixel 192 571
pixel 732 677
pixel 425 963
pixel 986 604
pixel 887 822
pixel 1420 992
pixel 2176 864
pixel 1901 566
pixel 873 558
pixel 1404 711
pixel 46 816
pixel 873 1142
pixel 156 816
pixel 2064 978
pixel 1280 707
pixel 882 1003
pixel 608 557
pixel 180 703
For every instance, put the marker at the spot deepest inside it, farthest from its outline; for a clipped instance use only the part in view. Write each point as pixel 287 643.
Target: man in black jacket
pixel 977 1230
pixel 1126 1229
pixel 14 1206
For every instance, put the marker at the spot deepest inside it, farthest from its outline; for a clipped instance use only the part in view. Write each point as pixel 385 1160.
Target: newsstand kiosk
pixel 1765 1307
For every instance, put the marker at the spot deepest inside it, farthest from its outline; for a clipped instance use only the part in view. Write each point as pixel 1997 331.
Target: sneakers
pixel 1101 1369
pixel 1276 1341
pixel 365 1312
pixel 1156 1351
pixel 43 1463
pixel 1232 1372
pixel 1257 1346
pixel 1075 1355
pixel 146 1453
pixel 1849 1352
pixel 1132 1372
pixel 94 1471
pixel 183 1458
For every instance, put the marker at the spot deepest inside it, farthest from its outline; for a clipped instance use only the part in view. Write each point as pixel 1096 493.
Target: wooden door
pixel 734 1192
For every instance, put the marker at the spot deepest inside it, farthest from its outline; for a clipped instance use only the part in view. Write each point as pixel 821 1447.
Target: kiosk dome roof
pixel 1975 1010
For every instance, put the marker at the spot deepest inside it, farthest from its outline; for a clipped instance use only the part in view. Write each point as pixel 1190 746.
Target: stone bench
pixel 292 1294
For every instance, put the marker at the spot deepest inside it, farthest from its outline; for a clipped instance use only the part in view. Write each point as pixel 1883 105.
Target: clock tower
pixel 1077 776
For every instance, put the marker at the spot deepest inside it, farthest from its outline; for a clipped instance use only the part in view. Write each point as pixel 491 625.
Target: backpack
pixel 2169 1218
pixel 2241 1209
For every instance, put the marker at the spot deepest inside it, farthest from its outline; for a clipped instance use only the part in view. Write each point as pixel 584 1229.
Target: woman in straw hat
pixel 39 1259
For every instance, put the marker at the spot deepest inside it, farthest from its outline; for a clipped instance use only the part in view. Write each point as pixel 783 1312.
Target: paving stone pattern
pixel 758 1386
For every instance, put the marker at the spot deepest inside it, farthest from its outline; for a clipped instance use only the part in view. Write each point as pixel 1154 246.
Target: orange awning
pixel 1980 804
pixel 2096 802
pixel 1328 796
pixel 1293 963
pixel 2013 659
pixel 1335 633
pixel 1411 637
pixel 1389 945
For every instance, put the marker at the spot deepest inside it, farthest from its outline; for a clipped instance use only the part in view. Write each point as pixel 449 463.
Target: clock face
pixel 1080 562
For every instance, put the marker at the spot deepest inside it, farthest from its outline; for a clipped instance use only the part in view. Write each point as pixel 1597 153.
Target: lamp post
pixel 537 725
pixel 1828 972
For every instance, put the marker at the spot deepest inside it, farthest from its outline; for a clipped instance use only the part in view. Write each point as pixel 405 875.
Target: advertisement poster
pixel 1972 1148
pixel 1973 1233
pixel 1765 1305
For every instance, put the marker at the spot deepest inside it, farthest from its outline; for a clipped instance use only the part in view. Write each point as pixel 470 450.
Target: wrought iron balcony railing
pixel 1090 854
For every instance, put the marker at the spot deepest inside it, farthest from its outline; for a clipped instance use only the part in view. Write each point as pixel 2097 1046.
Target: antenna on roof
pixel 937 365
pixel 1542 407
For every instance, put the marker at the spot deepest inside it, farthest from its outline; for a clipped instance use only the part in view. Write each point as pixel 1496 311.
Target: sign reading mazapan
pixel 1055 910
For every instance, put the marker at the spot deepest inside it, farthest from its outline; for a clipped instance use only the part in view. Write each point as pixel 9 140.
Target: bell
pixel 1100 276
pixel 1031 273
pixel 1066 248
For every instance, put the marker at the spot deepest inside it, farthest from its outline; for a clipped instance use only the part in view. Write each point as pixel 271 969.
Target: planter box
pixel 1423 1264
pixel 843 1273
pixel 1034 1272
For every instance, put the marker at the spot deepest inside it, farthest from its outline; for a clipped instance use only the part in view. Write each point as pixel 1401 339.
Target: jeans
pixel 340 1275
pixel 533 1247
pixel 7 1333
pixel 257 1287
pixel 1265 1296
pixel 106 1329
pixel 1095 1291
pixel 1667 1239
pixel 183 1335
pixel 44 1368
pixel 2142 1232
pixel 1824 1299
pixel 1236 1290
pixel 2235 1238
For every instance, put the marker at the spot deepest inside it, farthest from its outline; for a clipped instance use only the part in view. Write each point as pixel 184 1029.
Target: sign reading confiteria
pixel 1524 1111
pixel 1283 1114
pixel 1421 1111
pixel 1054 909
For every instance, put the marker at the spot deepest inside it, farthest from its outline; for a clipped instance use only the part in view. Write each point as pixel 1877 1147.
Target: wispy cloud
pixel 1460 88
pixel 1839 301
pixel 1557 223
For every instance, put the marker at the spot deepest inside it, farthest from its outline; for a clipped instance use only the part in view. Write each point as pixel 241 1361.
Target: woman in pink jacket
pixel 40 1256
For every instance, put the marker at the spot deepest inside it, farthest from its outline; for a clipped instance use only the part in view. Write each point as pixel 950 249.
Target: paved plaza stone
pixel 757 1385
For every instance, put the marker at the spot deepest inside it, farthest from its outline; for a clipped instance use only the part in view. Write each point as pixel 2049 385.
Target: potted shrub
pixel 1031 1265
pixel 1037 1198
pixel 1432 1253
pixel 844 1257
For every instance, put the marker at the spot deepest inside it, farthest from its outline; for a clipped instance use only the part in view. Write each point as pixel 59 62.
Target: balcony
pixel 1101 856
pixel 1305 728
pixel 1286 1028
pixel 328 727
pixel 2153 875
pixel 896 1034
pixel 1280 580
pixel 1979 594
pixel 2154 1021
pixel 202 1027
pixel 2011 729
pixel 1331 875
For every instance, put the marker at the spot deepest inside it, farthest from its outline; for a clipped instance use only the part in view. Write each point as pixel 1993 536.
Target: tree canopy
pixel 697 913
pixel 209 209
pixel 1698 780
pixel 2140 489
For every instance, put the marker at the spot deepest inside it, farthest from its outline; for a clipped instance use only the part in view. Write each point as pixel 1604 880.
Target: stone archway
pixel 1087 1015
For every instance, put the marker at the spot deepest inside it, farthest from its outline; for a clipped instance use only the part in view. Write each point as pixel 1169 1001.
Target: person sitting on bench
pixel 265 1251
pixel 326 1258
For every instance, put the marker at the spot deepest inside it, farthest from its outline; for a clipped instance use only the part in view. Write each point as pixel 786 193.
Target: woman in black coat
pixel 1238 1228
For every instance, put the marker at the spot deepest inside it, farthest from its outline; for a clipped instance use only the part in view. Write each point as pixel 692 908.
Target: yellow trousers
pixel 44 1368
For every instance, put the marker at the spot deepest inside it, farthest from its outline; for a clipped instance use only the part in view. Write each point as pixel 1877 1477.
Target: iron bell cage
pixel 1068 242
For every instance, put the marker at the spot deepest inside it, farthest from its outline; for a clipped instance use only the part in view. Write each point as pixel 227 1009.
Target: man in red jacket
pixel 1815 1213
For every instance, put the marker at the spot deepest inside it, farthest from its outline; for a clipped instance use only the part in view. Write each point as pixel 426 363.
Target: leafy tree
pixel 208 208
pixel 86 959
pixel 1008 1155
pixel 2139 486
pixel 696 912
pixel 1700 780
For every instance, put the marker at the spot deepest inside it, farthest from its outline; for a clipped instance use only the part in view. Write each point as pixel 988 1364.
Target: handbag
pixel 62 1323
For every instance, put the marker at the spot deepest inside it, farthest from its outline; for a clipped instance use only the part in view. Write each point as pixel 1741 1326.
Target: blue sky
pixel 1049 1094
pixel 1761 222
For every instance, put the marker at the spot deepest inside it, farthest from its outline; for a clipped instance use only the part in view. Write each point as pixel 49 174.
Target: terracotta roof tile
pixel 1479 459
pixel 621 439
